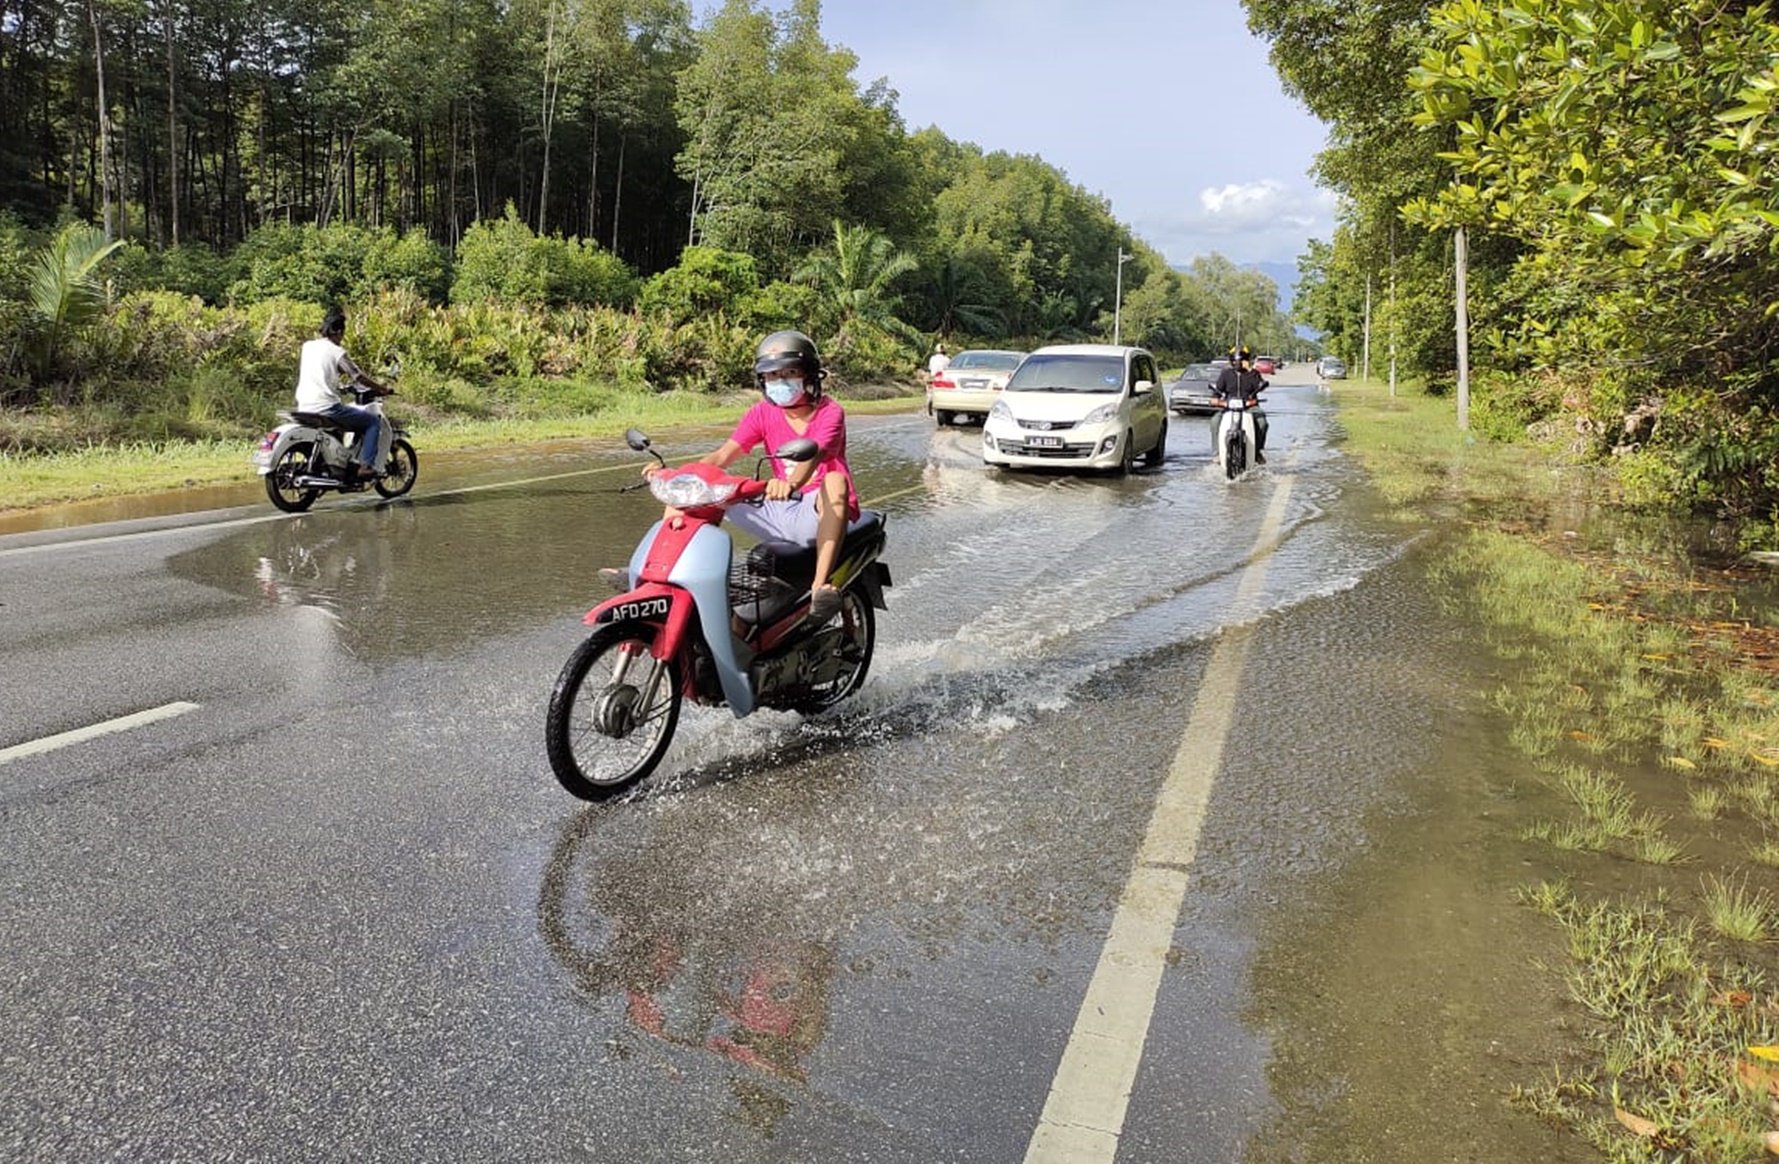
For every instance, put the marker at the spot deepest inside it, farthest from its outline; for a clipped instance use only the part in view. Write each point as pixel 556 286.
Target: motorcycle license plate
pixel 641 608
pixel 1044 442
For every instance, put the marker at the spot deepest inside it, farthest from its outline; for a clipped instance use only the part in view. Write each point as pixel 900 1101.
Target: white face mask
pixel 786 393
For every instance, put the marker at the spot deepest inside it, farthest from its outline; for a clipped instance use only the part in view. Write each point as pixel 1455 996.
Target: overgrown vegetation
pixel 1635 694
pixel 1609 160
pixel 553 195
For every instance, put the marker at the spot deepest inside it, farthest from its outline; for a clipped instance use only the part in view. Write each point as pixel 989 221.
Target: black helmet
pixel 1241 355
pixel 783 351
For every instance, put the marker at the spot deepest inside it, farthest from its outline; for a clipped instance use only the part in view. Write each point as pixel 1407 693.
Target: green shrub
pixel 1502 406
pixel 776 306
pixel 411 262
pixel 15 249
pixel 707 279
pixel 314 264
pixel 501 260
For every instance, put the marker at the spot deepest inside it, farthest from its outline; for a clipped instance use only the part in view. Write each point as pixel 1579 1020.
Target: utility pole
pixel 1392 307
pixel 1365 348
pixel 1118 296
pixel 1461 268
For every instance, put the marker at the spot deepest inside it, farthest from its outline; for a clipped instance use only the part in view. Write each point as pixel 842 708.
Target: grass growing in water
pixel 1622 687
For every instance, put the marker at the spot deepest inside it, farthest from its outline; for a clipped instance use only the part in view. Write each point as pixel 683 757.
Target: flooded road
pixel 339 907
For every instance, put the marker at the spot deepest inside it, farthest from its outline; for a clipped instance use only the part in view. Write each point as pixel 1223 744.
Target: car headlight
pixel 688 491
pixel 1000 411
pixel 1102 414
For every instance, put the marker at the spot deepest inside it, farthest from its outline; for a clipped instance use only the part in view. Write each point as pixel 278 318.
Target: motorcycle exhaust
pixel 313 482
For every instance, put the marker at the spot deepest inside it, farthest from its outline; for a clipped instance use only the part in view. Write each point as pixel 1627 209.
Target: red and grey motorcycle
pixel 699 624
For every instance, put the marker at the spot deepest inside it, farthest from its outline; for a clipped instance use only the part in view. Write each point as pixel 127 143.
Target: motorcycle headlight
pixel 685 491
pixel 1000 411
pixel 1102 414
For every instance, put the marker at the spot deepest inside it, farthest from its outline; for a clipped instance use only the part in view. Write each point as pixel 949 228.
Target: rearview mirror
pixel 801 449
pixel 1142 387
pixel 635 439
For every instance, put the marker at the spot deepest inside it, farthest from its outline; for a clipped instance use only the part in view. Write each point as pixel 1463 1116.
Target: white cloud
pixel 1239 208
pixel 1263 220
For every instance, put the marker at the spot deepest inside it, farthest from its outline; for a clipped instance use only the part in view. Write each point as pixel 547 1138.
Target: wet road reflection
pixel 866 933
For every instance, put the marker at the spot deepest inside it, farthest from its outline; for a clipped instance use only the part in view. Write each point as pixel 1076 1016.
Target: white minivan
pixel 1079 406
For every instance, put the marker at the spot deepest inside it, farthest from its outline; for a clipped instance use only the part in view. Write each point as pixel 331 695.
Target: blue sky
pixel 1169 108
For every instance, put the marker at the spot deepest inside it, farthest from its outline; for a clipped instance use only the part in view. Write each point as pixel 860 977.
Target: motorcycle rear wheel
pixel 401 472
pixel 603 736
pixel 281 488
pixel 857 624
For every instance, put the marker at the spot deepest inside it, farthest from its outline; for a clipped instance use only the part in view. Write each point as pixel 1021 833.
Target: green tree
pixel 765 110
pixel 854 277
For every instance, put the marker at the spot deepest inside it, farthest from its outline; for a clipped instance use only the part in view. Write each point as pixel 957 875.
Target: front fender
pixel 668 608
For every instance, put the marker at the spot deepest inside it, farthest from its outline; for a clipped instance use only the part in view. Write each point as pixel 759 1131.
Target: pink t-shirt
pixel 767 422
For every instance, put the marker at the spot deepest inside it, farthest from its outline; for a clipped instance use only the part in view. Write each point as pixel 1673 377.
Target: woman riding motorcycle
pixel 788 372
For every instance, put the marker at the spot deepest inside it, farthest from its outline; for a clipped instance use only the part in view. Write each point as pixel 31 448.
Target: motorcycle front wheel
pixel 857 627
pixel 612 712
pixel 1235 456
pixel 401 472
pixel 281 487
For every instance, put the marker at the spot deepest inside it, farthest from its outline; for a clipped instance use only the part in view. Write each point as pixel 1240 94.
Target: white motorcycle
pixel 1235 439
pixel 309 455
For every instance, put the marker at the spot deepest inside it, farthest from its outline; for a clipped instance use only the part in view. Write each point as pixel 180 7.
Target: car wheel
pixel 1157 454
pixel 1127 459
pixel 943 417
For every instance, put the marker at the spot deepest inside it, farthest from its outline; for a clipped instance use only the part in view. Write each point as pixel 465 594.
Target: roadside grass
pixel 1628 694
pixel 30 480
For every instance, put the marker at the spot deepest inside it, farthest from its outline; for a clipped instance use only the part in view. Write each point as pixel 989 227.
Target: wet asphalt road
pixel 341 910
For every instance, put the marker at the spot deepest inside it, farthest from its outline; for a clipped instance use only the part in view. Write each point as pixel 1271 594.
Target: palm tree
pixel 853 279
pixel 65 288
pixel 956 290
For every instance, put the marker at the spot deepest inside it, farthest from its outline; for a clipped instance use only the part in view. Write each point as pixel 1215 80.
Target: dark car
pixel 1194 390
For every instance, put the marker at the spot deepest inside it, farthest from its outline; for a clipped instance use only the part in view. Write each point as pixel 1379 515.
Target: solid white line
pixel 1084 1113
pixel 80 735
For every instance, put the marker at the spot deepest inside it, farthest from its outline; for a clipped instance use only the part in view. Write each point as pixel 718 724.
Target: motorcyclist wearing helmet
pixel 1243 382
pixel 788 372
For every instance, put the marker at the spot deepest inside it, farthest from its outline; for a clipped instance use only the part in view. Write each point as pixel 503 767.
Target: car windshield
pixel 1200 372
pixel 1068 374
pixel 986 361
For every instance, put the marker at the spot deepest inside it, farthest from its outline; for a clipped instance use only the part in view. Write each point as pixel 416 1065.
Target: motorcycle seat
pixel 775 574
pixel 316 420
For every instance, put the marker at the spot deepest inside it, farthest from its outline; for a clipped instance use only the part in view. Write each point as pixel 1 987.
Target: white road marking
pixel 80 735
pixel 1084 1114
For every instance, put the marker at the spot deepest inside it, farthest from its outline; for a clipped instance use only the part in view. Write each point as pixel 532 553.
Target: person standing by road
pixel 937 362
pixel 1245 384
pixel 323 369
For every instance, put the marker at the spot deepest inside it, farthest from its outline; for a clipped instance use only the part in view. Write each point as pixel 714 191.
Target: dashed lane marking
pixel 93 731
